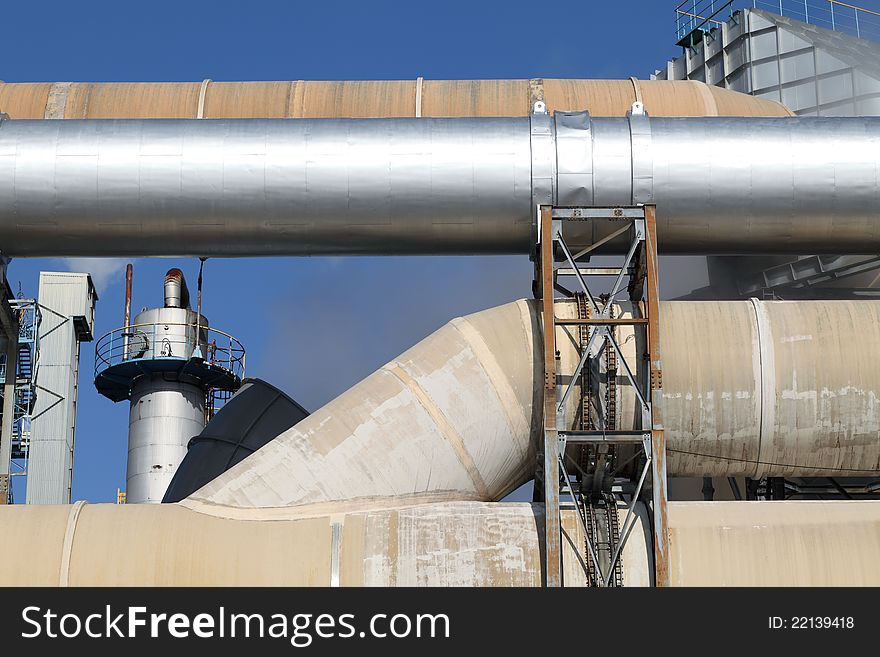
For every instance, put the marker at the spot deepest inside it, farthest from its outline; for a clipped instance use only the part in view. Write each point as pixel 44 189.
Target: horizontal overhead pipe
pixel 336 99
pixel 431 186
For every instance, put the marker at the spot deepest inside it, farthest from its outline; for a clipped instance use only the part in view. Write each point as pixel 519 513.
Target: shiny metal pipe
pixel 176 292
pixel 264 187
pixel 431 186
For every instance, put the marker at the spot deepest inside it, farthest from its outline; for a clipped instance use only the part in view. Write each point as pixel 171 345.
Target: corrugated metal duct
pixel 314 99
pixel 432 186
pixel 750 388
pixel 447 544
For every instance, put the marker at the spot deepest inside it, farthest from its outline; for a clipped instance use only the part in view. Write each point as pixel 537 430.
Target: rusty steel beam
pixel 552 538
pixel 658 439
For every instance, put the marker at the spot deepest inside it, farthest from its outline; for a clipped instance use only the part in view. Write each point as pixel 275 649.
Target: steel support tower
pixel 637 276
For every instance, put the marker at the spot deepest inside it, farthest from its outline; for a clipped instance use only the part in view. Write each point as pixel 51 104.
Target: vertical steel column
pixel 553 560
pixel 127 312
pixel 658 439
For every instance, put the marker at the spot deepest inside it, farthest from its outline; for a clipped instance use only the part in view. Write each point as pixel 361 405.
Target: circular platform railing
pixel 153 342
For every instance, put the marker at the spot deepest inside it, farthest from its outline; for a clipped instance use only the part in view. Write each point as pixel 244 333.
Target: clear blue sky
pixel 311 326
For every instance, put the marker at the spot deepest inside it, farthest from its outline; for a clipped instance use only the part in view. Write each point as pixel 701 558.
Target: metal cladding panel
pixel 612 162
pixel 361 99
pixel 163 417
pixel 61 296
pixel 430 186
pixel 738 167
pixel 167 332
pixel 766 55
pixel 263 186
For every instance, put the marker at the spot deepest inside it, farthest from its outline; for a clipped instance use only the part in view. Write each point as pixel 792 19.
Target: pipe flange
pixel 642 155
pixel 543 146
pixel 574 159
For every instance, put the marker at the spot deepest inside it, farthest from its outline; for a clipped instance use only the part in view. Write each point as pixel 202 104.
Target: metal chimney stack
pixel 167 362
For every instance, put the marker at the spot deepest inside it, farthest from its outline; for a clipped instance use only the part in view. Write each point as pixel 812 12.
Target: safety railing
pixel 838 16
pixel 145 342
pixel 830 14
pixel 702 15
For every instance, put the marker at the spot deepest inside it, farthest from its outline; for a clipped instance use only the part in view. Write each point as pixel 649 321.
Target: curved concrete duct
pixel 317 99
pixel 432 186
pixel 750 388
pixel 176 291
pixel 447 544
pixel 452 418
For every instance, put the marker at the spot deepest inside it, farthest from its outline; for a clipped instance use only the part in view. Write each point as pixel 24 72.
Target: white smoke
pixel 104 271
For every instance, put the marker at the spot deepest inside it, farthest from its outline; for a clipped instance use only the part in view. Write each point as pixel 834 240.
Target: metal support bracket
pixel 637 274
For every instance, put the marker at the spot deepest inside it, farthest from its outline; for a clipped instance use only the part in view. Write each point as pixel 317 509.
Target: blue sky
pixel 312 326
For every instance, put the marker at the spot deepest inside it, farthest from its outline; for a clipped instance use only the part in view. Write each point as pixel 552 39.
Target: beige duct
pixel 445 544
pixel 369 98
pixel 760 388
pixel 343 498
pixel 750 388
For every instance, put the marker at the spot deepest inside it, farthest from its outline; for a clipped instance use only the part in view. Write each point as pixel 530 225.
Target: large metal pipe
pixel 176 292
pixel 448 544
pixel 398 186
pixel 749 388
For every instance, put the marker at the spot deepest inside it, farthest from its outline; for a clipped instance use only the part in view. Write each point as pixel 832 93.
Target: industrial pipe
pixel 448 544
pixel 176 292
pixel 750 388
pixel 342 99
pixel 431 186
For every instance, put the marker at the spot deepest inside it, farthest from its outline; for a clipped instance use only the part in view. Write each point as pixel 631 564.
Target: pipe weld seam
pixel 766 386
pixel 710 107
pixel 203 92
pixel 516 418
pixel 419 84
pixel 67 547
pixel 335 544
pixel 641 143
pixel 444 426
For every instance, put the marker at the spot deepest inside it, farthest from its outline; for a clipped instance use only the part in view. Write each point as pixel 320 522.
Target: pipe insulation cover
pixel 252 187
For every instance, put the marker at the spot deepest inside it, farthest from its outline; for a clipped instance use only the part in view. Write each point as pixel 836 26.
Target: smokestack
pixel 176 292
